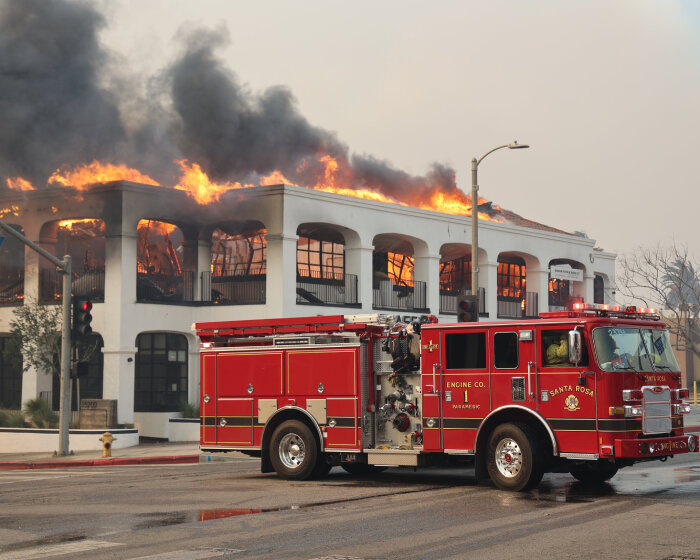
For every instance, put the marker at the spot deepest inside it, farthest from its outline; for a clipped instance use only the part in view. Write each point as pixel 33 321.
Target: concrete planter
pixel 183 429
pixel 36 440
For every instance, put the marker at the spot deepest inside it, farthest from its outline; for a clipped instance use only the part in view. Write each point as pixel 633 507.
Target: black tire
pixel 293 451
pixel 514 461
pixel 360 469
pixel 594 473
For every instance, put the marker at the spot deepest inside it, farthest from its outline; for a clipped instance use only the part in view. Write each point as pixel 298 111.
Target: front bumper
pixel 656 447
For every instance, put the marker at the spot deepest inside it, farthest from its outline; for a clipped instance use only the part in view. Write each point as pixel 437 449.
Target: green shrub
pixel 189 410
pixel 39 413
pixel 11 419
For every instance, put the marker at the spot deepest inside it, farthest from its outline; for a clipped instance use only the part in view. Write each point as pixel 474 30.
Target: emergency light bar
pixel 616 309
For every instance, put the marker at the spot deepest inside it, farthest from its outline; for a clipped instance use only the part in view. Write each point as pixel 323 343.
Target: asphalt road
pixel 230 510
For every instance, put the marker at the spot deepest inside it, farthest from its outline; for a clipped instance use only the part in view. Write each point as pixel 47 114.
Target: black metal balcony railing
pixel 338 289
pixel 165 288
pixel 12 290
pixel 400 298
pixel 448 301
pixel 88 284
pixel 233 290
pixel 515 309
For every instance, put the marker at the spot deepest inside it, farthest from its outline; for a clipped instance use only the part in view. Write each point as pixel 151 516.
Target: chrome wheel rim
pixel 509 458
pixel 292 451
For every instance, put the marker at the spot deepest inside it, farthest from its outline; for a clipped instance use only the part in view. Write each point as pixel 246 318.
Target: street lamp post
pixel 475 216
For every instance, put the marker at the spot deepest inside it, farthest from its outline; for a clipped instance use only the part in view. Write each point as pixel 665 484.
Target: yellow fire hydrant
pixel 107 439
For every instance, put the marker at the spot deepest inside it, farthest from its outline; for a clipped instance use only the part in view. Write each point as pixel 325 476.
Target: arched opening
pixel 12 270
pixel 84 240
pixel 159 275
pixel 598 289
pixel 511 278
pixel 455 275
pixel 393 279
pixel 321 278
pixel 160 374
pixel 239 263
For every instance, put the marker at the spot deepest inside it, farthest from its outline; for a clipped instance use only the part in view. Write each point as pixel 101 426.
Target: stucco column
pixel 538 282
pixel 358 261
pixel 203 265
pixel 281 277
pixel 488 279
pixel 121 322
pixel 428 270
pixel 585 288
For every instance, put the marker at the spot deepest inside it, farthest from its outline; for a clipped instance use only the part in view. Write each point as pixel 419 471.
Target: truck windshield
pixel 633 349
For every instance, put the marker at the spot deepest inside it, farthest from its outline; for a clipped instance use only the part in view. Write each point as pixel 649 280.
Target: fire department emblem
pixel 571 403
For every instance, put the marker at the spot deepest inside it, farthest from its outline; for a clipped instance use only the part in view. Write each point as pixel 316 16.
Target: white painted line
pixel 48 550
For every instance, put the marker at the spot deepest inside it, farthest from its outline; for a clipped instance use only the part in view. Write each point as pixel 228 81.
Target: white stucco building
pixel 260 252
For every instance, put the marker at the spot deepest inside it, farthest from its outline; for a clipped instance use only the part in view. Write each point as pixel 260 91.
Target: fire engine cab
pixel 585 391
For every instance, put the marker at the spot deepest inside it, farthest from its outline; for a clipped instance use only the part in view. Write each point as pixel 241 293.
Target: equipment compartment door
pixel 234 424
pixel 208 402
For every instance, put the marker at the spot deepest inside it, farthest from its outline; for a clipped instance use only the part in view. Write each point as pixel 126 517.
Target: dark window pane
pixel 505 350
pixel 465 350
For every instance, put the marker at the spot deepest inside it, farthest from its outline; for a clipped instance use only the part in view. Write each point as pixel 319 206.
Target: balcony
pixel 390 297
pixel 512 308
pixel 338 289
pixel 241 289
pixel 88 284
pixel 448 302
pixel 12 290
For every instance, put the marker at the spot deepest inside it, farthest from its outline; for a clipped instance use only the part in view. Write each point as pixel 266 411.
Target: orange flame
pixel 12 210
pixel 85 225
pixel 19 184
pixel 196 183
pixel 84 175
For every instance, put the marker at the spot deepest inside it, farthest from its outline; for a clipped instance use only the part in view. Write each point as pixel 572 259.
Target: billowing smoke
pixel 57 111
pixel 52 108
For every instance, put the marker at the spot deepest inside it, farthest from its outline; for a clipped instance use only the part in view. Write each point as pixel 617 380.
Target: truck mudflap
pixel 656 447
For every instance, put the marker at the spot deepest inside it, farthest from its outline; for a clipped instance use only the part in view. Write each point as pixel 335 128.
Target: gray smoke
pixel 52 108
pixel 56 112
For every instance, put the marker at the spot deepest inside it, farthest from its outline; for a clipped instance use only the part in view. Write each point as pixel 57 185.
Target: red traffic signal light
pixel 82 318
pixel 467 309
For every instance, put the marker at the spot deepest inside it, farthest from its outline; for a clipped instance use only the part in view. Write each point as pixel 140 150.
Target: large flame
pixel 84 175
pixel 19 184
pixel 87 226
pixel 324 173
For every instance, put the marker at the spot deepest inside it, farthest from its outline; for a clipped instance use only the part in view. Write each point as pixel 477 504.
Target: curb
pixel 163 460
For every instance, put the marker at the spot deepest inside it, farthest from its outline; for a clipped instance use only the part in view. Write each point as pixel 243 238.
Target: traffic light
pixel 467 309
pixel 82 318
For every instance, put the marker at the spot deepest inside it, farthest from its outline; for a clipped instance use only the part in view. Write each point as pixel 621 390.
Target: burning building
pixel 154 260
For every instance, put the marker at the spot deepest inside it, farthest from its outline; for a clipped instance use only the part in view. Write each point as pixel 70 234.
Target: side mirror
pixel 575 347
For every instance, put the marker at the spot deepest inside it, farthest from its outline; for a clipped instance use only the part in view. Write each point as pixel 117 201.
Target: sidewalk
pixel 154 453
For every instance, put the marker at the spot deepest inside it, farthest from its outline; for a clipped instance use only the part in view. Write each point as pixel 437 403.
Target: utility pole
pixel 65 267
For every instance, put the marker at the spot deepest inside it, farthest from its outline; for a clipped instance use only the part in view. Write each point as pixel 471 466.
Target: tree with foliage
pixel 36 333
pixel 666 278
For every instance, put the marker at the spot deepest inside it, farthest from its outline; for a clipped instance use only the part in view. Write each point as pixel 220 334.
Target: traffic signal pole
pixel 65 267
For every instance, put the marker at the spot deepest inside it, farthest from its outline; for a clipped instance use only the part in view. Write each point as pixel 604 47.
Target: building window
pixel 456 275
pixel 239 255
pixel 11 270
pixel 598 289
pixel 10 377
pixel 465 350
pixel 320 259
pixel 160 381
pixel 511 277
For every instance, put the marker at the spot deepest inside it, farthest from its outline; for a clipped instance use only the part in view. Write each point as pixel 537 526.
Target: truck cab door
pixel 567 397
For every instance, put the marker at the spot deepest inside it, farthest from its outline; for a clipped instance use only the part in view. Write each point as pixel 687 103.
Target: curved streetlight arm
pixel 475 215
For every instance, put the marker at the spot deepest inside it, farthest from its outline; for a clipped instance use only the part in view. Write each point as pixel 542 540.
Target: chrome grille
pixel 657 410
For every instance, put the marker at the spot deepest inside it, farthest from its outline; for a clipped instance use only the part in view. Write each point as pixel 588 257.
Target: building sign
pixel 565 272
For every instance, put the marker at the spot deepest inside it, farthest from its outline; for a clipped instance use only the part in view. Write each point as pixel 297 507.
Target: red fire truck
pixel 585 391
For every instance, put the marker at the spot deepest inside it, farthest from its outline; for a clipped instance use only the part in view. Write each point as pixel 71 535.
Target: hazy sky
pixel 605 92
